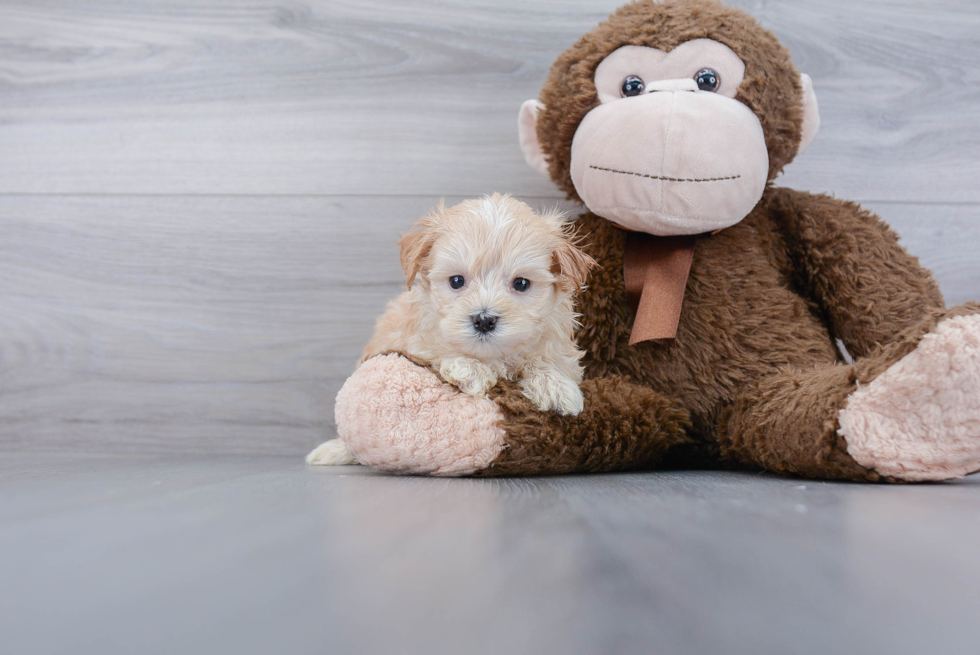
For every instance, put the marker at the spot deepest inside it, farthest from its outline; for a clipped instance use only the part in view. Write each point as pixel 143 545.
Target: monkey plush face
pixel 669 150
pixel 670 118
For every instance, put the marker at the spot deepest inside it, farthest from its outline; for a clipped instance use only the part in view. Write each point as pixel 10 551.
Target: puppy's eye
pixel 457 281
pixel 707 79
pixel 632 86
pixel 521 284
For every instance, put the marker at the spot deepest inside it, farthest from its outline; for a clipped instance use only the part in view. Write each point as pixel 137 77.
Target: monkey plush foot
pixel 397 416
pixel 920 419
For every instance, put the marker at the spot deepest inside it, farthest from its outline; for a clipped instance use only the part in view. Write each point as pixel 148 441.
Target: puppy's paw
pixel 470 375
pixel 331 453
pixel 551 391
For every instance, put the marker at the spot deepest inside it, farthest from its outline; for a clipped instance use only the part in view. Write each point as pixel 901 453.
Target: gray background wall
pixel 199 200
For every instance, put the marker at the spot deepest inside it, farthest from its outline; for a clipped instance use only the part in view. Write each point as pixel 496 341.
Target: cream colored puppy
pixel 491 288
pixel 490 295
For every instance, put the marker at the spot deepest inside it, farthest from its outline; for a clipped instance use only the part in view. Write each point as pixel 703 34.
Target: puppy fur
pixel 490 242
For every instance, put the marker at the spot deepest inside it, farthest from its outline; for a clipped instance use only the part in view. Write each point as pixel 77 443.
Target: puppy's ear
pixel 416 245
pixel 572 264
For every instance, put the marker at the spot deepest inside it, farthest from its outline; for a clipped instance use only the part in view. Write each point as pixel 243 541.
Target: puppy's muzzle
pixel 484 322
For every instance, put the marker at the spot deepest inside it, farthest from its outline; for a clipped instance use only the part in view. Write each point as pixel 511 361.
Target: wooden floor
pixel 168 554
pixel 199 203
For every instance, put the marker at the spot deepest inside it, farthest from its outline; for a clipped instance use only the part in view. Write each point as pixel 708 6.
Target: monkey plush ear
pixel 416 245
pixel 527 130
pixel 811 114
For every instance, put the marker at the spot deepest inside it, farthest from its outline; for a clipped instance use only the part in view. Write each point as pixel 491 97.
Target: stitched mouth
pixel 667 179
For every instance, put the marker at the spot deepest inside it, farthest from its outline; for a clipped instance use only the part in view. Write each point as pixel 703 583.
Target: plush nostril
pixel 484 322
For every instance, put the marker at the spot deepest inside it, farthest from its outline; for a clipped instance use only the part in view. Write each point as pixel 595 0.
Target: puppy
pixel 490 295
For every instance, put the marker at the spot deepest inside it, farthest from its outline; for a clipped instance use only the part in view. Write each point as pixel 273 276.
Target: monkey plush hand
pixel 710 323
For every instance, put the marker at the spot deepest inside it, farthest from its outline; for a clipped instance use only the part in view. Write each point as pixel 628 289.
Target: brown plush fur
pixel 754 365
pixel 788 422
pixel 754 378
pixel 604 437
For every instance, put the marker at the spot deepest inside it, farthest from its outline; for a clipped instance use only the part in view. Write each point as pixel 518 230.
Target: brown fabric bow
pixel 656 271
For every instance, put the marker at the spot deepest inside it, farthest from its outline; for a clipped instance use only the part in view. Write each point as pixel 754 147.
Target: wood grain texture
pixel 421 97
pixel 206 555
pixel 199 200
pixel 945 238
pixel 188 324
pixel 227 324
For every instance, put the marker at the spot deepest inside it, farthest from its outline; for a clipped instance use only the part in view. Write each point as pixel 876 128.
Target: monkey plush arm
pixel 623 426
pixel 850 263
pixel 398 415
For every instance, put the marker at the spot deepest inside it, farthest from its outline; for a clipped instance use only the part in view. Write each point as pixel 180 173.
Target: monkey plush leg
pixel 851 263
pixel 397 416
pixel 910 411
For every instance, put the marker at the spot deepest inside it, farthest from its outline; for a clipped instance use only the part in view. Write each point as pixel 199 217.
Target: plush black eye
pixel 457 281
pixel 707 80
pixel 632 86
pixel 521 284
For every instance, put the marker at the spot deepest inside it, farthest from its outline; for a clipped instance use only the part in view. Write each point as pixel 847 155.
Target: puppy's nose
pixel 484 322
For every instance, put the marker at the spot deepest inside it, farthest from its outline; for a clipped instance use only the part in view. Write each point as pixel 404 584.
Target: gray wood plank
pixel 188 324
pixel 227 324
pixel 260 555
pixel 945 238
pixel 420 97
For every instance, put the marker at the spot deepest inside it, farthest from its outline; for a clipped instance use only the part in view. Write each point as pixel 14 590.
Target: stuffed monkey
pixel 710 324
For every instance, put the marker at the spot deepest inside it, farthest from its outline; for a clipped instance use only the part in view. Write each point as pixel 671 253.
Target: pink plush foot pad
pixel 920 419
pixel 399 417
